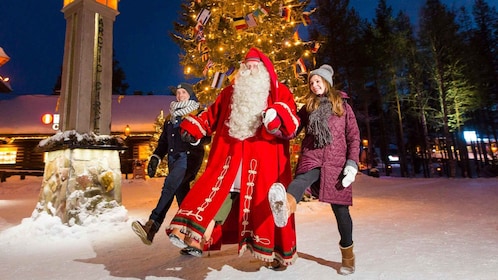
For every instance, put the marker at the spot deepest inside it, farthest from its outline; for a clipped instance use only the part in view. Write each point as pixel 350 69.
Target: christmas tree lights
pixel 215 36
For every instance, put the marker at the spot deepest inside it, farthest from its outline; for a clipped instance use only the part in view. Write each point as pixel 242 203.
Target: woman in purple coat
pixel 328 162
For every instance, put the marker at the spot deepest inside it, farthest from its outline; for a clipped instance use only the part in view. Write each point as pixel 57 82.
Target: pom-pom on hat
pixel 256 55
pixel 186 86
pixel 325 71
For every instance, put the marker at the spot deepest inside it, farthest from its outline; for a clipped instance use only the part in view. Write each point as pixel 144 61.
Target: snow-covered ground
pixel 435 228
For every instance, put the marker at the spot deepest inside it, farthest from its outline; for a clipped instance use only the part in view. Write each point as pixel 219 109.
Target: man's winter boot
pixel 347 266
pixel 145 232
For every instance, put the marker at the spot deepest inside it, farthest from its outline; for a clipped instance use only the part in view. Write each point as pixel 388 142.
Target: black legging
pixel 344 222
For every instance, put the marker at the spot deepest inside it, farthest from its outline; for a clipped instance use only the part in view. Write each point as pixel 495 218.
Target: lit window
pixel 8 155
pixel 143 151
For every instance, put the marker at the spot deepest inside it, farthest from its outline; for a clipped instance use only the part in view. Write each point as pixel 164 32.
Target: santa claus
pixel 251 122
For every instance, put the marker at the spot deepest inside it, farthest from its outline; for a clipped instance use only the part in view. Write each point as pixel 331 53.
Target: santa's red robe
pixel 265 160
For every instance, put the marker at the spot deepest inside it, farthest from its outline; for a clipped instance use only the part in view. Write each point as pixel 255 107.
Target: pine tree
pixel 484 64
pixel 441 46
pixel 216 34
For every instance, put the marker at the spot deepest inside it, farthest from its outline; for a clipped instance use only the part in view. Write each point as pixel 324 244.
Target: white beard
pixel 249 99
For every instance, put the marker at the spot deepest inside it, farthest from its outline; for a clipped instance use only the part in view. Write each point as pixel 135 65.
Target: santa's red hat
pixel 256 55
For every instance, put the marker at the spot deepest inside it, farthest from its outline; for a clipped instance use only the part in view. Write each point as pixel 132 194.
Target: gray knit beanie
pixel 325 71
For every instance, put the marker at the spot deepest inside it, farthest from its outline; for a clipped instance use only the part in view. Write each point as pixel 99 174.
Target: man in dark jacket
pixel 184 161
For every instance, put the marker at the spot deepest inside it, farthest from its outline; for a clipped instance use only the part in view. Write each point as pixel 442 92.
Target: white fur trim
pixel 294 119
pixel 196 123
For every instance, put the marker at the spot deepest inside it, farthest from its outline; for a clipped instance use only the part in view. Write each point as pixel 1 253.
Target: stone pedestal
pixel 82 171
pixel 79 183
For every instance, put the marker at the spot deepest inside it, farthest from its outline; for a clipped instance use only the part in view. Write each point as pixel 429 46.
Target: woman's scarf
pixel 318 123
pixel 181 108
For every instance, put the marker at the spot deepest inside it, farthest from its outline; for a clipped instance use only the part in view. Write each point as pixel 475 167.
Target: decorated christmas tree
pixel 216 34
pixel 162 169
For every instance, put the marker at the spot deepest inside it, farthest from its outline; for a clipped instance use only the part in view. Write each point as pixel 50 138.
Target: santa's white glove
pixel 349 175
pixel 271 120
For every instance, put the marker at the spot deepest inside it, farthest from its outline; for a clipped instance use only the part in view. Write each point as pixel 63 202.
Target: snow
pixel 404 228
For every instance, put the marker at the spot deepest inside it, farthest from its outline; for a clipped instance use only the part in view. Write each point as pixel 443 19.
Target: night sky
pixel 32 34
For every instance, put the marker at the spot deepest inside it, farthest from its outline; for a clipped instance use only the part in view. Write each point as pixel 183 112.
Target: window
pixel 8 155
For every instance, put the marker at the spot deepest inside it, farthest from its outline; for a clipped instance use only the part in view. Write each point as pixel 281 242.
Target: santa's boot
pixel 177 238
pixel 145 232
pixel 282 204
pixel 347 266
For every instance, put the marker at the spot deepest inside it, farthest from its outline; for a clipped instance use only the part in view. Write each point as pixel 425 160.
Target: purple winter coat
pixel 332 158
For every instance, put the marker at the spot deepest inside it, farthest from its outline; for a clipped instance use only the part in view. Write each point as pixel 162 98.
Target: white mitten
pixel 271 120
pixel 349 175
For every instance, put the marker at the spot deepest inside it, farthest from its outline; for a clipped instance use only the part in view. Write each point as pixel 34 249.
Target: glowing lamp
pixel 494 148
pixel 364 142
pixel 127 131
pixel 47 119
pixel 113 4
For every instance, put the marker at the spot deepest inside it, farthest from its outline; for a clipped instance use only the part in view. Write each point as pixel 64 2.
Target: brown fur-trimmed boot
pixel 145 232
pixel 347 266
pixel 291 204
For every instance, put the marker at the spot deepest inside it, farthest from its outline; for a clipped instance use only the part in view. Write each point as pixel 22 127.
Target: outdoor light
pixel 365 142
pixel 127 131
pixel 5 85
pixel 47 119
pixel 470 136
pixel 51 119
pixel 113 4
pixel 494 148
pixel 439 170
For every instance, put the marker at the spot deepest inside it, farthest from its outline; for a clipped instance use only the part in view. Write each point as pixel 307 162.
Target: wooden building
pixel 22 127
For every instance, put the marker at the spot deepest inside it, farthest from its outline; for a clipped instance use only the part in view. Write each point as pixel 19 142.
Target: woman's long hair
pixel 312 100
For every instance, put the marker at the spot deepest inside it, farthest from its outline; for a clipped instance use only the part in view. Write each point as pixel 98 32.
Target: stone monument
pixel 82 177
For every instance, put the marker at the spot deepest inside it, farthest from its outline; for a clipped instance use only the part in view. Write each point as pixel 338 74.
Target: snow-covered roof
pixel 22 114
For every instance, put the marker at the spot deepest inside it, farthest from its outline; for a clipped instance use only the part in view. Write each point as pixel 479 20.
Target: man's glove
pixel 349 175
pixel 152 166
pixel 271 120
pixel 187 137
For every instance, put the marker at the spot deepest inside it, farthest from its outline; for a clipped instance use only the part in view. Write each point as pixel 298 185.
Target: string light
pixel 225 30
